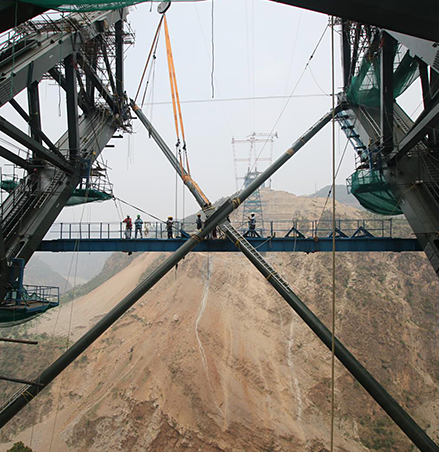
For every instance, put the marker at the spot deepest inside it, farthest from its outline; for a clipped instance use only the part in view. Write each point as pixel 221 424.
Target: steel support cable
pixel 61 386
pixel 151 75
pixel 141 210
pixel 333 239
pixel 155 40
pixel 336 175
pixel 289 97
pixel 372 386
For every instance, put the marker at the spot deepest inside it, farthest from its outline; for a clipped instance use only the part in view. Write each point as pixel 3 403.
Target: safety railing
pixel 384 228
pixel 31 294
pixel 102 231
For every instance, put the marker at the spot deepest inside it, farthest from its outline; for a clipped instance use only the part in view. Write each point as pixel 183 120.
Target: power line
pixel 239 99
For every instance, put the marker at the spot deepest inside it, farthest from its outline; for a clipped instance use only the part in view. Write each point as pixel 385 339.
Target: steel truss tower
pixel 249 164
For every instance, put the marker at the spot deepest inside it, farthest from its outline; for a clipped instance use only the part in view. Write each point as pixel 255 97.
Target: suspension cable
pixel 334 175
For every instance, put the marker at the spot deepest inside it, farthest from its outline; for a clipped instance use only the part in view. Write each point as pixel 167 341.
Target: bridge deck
pixel 284 244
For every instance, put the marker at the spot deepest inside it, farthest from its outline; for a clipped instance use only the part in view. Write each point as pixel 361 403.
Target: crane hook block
pixel 163 7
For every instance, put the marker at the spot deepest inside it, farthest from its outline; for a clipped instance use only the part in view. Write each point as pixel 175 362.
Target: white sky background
pixel 261 49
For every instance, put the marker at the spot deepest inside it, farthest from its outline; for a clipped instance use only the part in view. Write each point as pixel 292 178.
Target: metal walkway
pixel 298 236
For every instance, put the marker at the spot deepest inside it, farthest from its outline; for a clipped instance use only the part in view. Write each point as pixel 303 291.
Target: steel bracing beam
pixel 17 107
pixel 424 124
pixel 107 64
pixel 420 19
pixel 426 94
pixel 372 386
pixel 90 89
pixel 61 80
pixel 386 92
pixel 97 82
pixel 15 159
pixel 34 112
pixel 119 59
pixel 72 107
pixel 4 268
pixel 40 151
pixel 346 52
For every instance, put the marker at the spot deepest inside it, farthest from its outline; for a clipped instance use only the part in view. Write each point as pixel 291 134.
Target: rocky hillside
pixel 212 359
pixel 341 195
pixel 40 273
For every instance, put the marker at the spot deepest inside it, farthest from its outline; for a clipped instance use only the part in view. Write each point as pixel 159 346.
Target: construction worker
pixel 199 222
pixel 169 226
pixel 138 223
pixel 128 227
pixel 252 226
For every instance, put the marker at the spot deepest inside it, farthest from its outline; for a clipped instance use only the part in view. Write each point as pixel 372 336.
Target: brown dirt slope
pixel 212 359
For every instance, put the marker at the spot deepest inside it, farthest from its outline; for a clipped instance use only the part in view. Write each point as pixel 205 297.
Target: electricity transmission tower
pixel 249 163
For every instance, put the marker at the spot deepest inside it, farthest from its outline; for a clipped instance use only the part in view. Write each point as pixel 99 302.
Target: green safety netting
pixel 373 193
pixel 91 5
pixel 364 88
pixel 8 185
pixel 79 196
pixel 82 196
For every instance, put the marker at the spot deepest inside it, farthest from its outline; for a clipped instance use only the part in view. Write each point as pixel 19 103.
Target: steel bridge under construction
pixel 84 54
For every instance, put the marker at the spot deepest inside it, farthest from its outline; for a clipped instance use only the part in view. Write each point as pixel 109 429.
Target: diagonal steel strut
pixel 24 396
pixel 359 372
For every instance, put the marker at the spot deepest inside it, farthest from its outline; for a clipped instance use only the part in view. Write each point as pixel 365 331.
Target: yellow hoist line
pixel 185 174
pixel 175 99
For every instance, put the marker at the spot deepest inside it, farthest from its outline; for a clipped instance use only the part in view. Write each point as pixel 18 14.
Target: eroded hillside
pixel 212 359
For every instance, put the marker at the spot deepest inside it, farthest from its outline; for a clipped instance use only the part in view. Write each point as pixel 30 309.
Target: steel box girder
pixel 416 19
pixel 275 245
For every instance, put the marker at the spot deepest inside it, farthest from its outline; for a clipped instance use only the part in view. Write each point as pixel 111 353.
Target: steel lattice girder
pixel 50 51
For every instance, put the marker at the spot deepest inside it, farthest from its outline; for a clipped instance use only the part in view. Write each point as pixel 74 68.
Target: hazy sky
pixel 261 49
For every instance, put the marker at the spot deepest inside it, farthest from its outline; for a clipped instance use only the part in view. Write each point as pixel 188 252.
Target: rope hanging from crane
pixel 176 105
pixel 178 117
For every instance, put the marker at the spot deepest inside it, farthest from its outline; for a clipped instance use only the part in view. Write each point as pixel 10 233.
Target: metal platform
pixel 284 244
pixel 308 236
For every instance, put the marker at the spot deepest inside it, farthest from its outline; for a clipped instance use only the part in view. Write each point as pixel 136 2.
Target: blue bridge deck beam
pixel 307 245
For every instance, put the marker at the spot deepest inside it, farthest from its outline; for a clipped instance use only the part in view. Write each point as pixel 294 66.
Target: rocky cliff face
pixel 212 359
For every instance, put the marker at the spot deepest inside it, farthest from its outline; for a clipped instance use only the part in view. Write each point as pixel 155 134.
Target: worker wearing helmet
pixel 128 227
pixel 199 222
pixel 138 223
pixel 251 226
pixel 169 226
